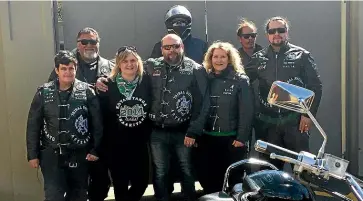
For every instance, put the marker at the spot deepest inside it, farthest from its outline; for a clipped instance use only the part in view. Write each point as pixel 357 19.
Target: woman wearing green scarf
pixel 125 106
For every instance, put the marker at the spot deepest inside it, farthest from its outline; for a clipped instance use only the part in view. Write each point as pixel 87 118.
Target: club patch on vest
pixel 183 106
pixel 46 133
pixel 81 135
pixel 131 112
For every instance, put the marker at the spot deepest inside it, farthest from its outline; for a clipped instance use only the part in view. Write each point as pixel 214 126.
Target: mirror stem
pixel 322 148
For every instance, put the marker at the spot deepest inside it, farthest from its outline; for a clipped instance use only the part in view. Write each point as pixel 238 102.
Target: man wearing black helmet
pixel 178 20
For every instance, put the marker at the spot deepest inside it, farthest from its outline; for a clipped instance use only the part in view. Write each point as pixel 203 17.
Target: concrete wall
pixel 26 52
pixel 141 24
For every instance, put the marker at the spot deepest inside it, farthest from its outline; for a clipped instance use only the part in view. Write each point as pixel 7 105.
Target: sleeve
pixel 156 52
pixel 52 76
pixel 200 104
pixel 252 68
pixel 312 81
pixel 245 110
pixel 34 124
pixel 96 124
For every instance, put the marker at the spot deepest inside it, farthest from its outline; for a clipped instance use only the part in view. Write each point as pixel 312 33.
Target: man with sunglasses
pixel 178 20
pixel 179 85
pixel 90 64
pixel 90 67
pixel 286 62
pixel 247 33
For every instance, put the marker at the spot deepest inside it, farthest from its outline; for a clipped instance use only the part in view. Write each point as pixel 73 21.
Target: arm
pixel 96 126
pixel 34 124
pixel 201 104
pixel 312 81
pixel 245 110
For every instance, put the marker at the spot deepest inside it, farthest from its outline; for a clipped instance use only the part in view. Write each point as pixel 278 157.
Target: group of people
pixel 189 109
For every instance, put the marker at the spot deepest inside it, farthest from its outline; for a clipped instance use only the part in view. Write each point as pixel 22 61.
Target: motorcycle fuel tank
pixel 276 184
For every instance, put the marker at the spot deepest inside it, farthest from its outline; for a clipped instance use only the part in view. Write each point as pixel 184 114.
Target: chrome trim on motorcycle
pixel 357 190
pixel 242 162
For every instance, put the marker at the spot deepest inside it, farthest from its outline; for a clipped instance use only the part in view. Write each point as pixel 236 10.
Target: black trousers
pixel 99 180
pixel 62 180
pixel 285 135
pixel 129 164
pixel 217 154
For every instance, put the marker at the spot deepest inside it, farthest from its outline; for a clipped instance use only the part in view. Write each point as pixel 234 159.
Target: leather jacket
pixel 292 64
pixel 230 104
pixel 77 123
pixel 177 92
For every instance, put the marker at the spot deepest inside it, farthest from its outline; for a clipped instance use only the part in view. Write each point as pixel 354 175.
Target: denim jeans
pixel 162 144
pixel 59 180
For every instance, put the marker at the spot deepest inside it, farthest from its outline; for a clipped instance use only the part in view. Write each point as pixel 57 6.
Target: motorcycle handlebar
pixel 268 148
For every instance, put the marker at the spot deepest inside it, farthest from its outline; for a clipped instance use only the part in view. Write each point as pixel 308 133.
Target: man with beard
pixel 90 67
pixel 179 85
pixel 178 20
pixel 286 62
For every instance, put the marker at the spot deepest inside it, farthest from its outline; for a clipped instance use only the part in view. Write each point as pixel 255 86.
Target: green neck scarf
pixel 125 87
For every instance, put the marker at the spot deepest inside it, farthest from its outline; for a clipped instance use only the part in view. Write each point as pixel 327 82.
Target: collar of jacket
pixel 284 48
pixel 257 48
pixel 226 73
pixel 69 89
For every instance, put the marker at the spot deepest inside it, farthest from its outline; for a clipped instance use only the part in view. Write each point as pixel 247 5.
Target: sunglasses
pixel 124 48
pixel 88 41
pixel 168 47
pixel 278 30
pixel 247 36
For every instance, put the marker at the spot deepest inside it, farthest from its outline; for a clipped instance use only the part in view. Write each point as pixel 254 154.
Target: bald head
pixel 172 49
pixel 171 38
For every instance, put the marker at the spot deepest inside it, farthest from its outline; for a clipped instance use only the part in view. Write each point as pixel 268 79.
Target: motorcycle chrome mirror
pixel 297 99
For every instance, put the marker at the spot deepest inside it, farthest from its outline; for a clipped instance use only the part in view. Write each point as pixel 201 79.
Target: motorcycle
pixel 323 172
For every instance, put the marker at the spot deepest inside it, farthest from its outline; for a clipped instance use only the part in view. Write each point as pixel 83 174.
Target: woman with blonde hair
pixel 226 132
pixel 125 107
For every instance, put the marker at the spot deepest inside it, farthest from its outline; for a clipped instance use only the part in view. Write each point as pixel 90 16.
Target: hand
pixel 34 163
pixel 91 157
pixel 305 124
pixel 100 84
pixel 189 142
pixel 237 143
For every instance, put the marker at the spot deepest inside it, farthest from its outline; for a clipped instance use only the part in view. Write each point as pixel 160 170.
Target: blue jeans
pixel 162 144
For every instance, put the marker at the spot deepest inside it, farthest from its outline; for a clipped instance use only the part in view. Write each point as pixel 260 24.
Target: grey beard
pixel 90 57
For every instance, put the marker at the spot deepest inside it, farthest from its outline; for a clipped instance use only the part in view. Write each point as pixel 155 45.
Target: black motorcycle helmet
pixel 178 20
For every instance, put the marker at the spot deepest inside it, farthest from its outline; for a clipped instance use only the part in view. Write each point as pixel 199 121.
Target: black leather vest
pixel 69 126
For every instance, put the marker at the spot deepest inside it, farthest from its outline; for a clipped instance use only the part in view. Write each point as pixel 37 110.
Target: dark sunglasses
pixel 168 47
pixel 278 30
pixel 124 48
pixel 247 36
pixel 88 41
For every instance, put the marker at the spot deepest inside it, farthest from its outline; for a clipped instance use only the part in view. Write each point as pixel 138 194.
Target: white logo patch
pixel 81 124
pixel 183 106
pixel 229 90
pixel 131 114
